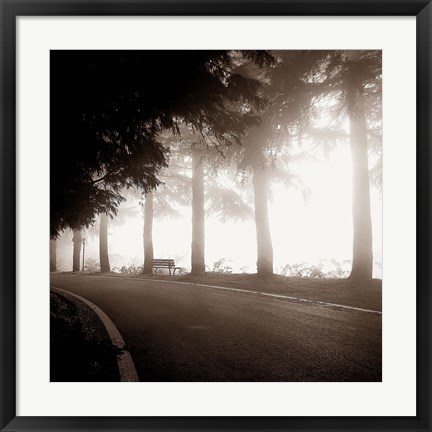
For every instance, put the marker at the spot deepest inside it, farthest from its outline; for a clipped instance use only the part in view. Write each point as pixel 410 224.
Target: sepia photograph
pixel 215 216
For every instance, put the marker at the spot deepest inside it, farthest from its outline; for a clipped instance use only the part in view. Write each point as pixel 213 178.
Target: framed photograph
pixel 215 216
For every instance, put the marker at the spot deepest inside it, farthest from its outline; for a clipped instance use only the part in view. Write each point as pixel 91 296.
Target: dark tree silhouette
pixel 109 107
pixel 288 104
pixel 198 216
pixel 264 243
pixel 362 224
pixel 53 255
pixel 348 78
pixel 77 242
pixel 178 188
pixel 253 159
pixel 353 76
pixel 148 233
pixel 103 244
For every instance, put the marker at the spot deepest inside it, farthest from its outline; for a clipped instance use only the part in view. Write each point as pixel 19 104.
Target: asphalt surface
pixel 181 332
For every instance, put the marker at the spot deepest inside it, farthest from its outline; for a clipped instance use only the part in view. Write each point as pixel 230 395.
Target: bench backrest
pixel 164 262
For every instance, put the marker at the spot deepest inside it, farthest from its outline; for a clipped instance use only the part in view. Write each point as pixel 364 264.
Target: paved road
pixel 180 332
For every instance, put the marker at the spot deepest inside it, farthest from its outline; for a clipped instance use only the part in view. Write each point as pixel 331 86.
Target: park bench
pixel 165 264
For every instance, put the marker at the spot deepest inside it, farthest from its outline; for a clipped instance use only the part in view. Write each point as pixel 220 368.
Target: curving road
pixel 184 332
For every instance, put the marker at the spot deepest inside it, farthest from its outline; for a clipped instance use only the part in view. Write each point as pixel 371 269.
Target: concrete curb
pixel 125 363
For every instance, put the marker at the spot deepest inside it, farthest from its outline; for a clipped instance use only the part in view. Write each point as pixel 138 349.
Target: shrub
pixel 219 266
pixel 327 269
pixel 91 265
pixel 131 269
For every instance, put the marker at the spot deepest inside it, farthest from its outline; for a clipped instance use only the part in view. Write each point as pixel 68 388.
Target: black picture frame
pixel 10 9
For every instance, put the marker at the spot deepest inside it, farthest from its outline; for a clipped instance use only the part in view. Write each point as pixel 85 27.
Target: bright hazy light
pixel 303 230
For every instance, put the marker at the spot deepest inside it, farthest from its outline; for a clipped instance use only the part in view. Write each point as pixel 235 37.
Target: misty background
pixel 310 226
pixel 251 160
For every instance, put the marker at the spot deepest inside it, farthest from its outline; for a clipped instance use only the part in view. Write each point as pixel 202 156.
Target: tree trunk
pixel 148 234
pixel 103 244
pixel 77 242
pixel 362 263
pixel 53 255
pixel 198 217
pixel 264 242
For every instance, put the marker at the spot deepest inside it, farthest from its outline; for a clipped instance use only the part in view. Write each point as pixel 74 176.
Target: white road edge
pixel 278 296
